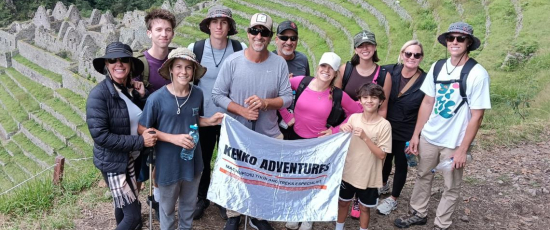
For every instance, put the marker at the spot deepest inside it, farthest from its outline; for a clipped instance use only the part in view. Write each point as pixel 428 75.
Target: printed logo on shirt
pixel 444 105
pixel 195 111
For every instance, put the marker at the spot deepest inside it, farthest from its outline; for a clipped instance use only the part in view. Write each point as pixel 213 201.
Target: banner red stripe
pixel 255 182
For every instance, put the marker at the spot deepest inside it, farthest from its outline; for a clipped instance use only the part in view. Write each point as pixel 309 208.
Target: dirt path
pixel 502 189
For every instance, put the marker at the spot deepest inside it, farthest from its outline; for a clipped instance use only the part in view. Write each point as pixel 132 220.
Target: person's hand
pixel 138 86
pixel 149 140
pixel 183 140
pixel 290 75
pixel 291 122
pixel 358 132
pixel 250 114
pixel 255 103
pixel 413 145
pixel 459 158
pixel 215 119
pixel 346 128
pixel 325 133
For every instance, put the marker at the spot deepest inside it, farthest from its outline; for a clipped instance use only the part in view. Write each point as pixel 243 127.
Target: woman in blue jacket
pixel 113 109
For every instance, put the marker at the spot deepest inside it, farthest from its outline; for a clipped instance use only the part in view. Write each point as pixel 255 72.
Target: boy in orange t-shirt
pixel 370 143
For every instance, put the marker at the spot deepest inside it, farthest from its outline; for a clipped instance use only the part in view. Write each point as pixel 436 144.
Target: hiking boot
pixel 232 223
pixel 410 219
pixel 201 206
pixel 260 224
pixel 384 190
pixel 306 226
pixel 223 212
pixel 355 211
pixel 386 206
pixel 292 225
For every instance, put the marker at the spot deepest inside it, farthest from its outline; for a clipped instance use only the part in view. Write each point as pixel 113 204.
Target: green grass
pixel 80 144
pixel 44 135
pixel 7 122
pixel 28 146
pixel 21 100
pixel 44 72
pixel 55 124
pixel 73 98
pixel 23 160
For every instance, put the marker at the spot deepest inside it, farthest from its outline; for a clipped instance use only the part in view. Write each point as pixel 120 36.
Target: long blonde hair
pixel 407 44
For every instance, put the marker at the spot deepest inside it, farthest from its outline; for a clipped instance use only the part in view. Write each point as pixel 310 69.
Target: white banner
pixel 278 180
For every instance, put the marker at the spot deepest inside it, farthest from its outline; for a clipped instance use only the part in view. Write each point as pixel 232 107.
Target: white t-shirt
pixel 135 113
pixel 443 128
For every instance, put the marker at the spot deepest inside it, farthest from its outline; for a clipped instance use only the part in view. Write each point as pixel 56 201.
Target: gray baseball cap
pixel 362 37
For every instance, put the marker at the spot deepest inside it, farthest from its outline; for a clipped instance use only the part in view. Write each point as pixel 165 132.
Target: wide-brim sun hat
pixel 218 12
pixel 185 54
pixel 118 50
pixel 463 28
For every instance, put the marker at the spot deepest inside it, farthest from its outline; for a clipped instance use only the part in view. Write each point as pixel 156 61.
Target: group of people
pixel 158 97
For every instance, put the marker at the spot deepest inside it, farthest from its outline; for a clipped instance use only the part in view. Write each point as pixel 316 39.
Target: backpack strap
pixel 198 49
pixel 145 73
pixel 462 80
pixel 301 87
pixel 437 68
pixel 236 45
pixel 376 75
pixel 337 114
pixel 347 74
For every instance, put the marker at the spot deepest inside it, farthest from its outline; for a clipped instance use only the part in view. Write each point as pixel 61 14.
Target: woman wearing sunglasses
pixel 113 109
pixel 362 69
pixel 404 102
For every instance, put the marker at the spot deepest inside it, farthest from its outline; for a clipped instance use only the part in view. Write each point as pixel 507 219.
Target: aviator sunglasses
pixel 122 60
pixel 415 55
pixel 285 38
pixel 460 39
pixel 262 32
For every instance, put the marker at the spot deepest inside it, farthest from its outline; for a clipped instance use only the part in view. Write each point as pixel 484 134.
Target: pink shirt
pixel 313 108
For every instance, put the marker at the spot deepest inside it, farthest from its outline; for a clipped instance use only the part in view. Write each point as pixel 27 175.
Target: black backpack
pixel 145 74
pixel 377 79
pixel 198 49
pixel 337 114
pixel 462 81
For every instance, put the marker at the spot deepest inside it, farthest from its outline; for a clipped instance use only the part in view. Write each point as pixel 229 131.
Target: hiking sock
pixel 363 228
pixel 339 226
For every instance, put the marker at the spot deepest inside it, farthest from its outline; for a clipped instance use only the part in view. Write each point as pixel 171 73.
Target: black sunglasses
pixel 256 31
pixel 122 60
pixel 285 38
pixel 415 55
pixel 460 39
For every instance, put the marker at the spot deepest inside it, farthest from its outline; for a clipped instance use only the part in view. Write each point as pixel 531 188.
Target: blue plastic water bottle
pixel 187 154
pixel 411 158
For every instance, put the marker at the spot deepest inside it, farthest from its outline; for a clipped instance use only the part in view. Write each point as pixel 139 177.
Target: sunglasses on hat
pixel 460 39
pixel 262 32
pixel 122 60
pixel 415 55
pixel 285 38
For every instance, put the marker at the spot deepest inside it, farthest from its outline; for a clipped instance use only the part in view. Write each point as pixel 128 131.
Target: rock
pixel 108 194
pixel 465 218
pixel 500 194
pixel 545 191
pixel 102 184
pixel 500 181
pixel 532 192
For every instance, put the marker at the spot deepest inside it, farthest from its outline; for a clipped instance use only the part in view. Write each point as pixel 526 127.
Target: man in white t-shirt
pixel 447 124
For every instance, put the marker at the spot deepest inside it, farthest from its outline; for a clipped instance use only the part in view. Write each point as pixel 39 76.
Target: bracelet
pixel 266 104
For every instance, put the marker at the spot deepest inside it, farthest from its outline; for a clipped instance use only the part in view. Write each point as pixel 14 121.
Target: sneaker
pixel 438 228
pixel 306 226
pixel 384 190
pixel 411 219
pixel 292 225
pixel 386 206
pixel 260 224
pixel 355 211
pixel 223 212
pixel 232 223
pixel 201 206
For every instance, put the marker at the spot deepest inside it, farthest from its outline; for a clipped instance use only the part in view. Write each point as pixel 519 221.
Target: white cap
pixel 331 59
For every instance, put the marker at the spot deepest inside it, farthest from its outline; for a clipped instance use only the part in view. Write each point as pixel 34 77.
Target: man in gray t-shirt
pixel 286 41
pixel 252 84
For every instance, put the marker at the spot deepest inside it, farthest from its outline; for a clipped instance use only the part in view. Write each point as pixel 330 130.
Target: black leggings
pixel 129 216
pixel 400 177
pixel 209 137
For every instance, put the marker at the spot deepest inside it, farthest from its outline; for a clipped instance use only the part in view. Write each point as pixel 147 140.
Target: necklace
pixel 177 103
pixel 447 69
pixel 214 57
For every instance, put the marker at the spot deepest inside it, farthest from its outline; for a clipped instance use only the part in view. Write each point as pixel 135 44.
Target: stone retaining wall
pixel 36 141
pixel 73 107
pixel 42 58
pixel 30 156
pixel 59 116
pixel 5 60
pixel 35 76
pixel 49 128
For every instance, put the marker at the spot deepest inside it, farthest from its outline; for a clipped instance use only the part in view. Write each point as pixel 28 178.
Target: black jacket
pixel 403 111
pixel 109 124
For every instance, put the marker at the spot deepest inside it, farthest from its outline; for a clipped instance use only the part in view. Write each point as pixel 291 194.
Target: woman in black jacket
pixel 403 104
pixel 112 113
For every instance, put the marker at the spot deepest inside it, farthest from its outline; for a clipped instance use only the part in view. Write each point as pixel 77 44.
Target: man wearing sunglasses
pixel 456 97
pixel 252 85
pixel 286 41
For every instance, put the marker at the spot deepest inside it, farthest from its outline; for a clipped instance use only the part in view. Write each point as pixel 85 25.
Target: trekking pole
pixel 150 151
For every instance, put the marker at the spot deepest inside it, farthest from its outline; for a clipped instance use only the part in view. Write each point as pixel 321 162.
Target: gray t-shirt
pixel 299 65
pixel 240 78
pixel 160 112
pixel 207 81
